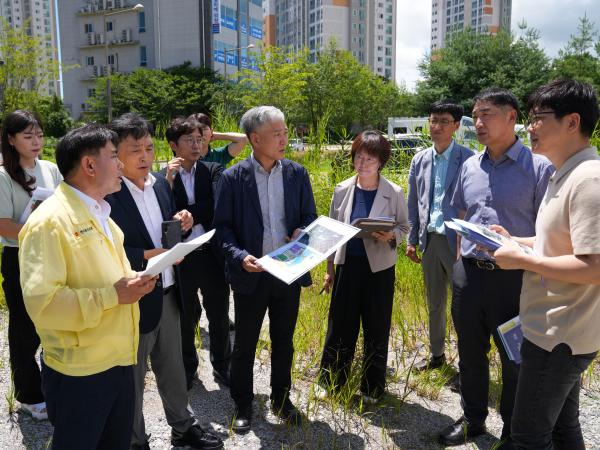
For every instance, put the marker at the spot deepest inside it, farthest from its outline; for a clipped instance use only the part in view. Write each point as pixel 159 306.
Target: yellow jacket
pixel 68 269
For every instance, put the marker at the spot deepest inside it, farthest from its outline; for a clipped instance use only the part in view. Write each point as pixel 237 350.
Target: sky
pixel 556 21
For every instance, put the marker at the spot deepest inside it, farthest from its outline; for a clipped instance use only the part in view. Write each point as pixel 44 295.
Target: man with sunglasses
pixel 560 299
pixel 432 178
pixel 503 184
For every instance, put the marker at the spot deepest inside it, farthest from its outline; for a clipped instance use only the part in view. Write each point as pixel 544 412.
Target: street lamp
pixel 225 69
pixel 138 7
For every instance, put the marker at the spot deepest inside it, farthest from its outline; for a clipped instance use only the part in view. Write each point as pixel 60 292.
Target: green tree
pixel 26 65
pixel 55 117
pixel 577 59
pixel 471 62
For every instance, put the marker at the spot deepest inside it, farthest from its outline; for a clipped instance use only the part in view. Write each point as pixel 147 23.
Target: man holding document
pixel 261 203
pixel 139 209
pixel 560 299
pixel 503 184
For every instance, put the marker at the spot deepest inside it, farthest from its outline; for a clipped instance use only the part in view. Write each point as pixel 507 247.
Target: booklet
pixel 369 225
pixel 159 263
pixel 511 335
pixel 318 240
pixel 38 195
pixel 482 236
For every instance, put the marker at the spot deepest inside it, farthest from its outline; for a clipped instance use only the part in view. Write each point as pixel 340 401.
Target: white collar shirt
pixel 99 209
pixel 188 179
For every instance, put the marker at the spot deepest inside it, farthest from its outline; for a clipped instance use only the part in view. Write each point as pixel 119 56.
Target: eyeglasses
pixel 191 141
pixel 537 117
pixel 440 122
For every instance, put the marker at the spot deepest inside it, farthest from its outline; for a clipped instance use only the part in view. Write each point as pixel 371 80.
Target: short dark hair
pixel 180 126
pixel 566 96
pixel 447 106
pixel 202 119
pixel 87 140
pixel 131 124
pixel 373 143
pixel 498 97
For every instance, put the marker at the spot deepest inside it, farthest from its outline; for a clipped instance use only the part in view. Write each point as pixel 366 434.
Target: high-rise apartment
pixel 103 35
pixel 481 16
pixel 38 16
pixel 367 28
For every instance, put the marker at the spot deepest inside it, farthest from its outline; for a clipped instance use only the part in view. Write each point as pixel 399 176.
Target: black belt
pixel 168 290
pixel 482 264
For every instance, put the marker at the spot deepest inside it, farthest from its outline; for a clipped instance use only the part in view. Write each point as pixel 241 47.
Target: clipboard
pixel 369 225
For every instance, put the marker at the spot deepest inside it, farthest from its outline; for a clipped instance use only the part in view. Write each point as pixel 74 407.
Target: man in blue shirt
pixel 432 178
pixel 504 185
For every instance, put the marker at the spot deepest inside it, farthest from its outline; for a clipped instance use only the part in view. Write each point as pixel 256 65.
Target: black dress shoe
pixel 221 377
pixel 460 432
pixel 454 383
pixel 196 438
pixel 435 362
pixel 287 412
pixel 242 419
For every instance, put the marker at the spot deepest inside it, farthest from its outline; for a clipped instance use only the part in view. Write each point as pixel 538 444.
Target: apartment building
pixel 367 28
pixel 39 18
pixel 481 16
pixel 119 36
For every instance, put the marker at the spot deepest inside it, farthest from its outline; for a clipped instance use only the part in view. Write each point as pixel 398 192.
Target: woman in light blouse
pixel 363 282
pixel 20 173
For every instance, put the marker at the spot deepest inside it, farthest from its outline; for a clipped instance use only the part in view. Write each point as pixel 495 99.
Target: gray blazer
pixel 420 194
pixel 389 202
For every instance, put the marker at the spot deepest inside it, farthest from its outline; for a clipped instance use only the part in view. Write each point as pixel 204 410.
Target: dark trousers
pixel 90 412
pixel 358 295
pixel 23 341
pixel 201 270
pixel 546 414
pixel 481 300
pixel 282 302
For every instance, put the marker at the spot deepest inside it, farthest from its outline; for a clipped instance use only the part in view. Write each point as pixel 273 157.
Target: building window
pixel 88 28
pixel 143 57
pixel 142 21
pixel 109 26
pixel 89 60
pixel 111 60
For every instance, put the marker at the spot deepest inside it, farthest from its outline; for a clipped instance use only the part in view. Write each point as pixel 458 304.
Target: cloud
pixel 556 21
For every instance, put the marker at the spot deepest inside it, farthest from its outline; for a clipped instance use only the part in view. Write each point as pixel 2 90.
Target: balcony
pixel 101 7
pixel 97 40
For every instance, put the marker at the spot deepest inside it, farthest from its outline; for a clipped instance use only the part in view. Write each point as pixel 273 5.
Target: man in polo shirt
pixel 81 294
pixel 503 184
pixel 560 300
pixel 222 155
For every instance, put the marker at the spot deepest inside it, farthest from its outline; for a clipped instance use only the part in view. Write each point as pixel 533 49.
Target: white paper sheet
pixel 159 263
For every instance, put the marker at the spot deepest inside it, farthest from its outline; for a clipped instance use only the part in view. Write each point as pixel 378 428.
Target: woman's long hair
pixel 16 122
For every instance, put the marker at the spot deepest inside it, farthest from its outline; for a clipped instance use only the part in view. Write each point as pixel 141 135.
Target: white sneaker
pixel 37 411
pixel 320 392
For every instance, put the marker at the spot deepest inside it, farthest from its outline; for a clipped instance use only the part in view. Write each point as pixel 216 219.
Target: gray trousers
pixel 437 263
pixel 163 345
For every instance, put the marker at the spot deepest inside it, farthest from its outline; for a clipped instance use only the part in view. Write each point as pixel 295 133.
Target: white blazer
pixel 389 202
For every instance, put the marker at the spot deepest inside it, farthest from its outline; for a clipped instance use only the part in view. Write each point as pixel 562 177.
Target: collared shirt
pixel 270 196
pixel 438 181
pixel 149 209
pixel 100 210
pixel 188 180
pixel 507 192
pixel 555 312
pixel 68 272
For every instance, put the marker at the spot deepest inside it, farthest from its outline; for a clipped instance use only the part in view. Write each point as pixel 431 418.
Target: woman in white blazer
pixel 364 275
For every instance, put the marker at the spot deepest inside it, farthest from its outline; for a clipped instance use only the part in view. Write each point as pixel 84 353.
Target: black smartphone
pixel 171 233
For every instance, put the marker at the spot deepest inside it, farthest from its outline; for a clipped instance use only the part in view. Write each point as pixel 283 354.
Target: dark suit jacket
pixel 238 217
pixel 125 213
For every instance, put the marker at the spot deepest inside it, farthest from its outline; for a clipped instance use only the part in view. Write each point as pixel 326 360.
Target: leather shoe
pixel 242 419
pixel 221 377
pixel 197 438
pixel 287 412
pixel 454 383
pixel 460 432
pixel 435 362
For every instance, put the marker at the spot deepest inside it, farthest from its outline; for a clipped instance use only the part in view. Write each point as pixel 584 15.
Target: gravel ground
pixel 408 424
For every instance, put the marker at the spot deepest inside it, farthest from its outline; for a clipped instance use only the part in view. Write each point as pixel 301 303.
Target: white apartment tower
pixel 103 35
pixel 481 16
pixel 367 28
pixel 40 18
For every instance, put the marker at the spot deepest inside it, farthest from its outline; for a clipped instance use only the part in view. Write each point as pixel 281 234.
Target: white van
pixel 398 127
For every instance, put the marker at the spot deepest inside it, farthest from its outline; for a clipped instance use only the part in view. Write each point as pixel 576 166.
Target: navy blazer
pixel 238 217
pixel 420 194
pixel 126 215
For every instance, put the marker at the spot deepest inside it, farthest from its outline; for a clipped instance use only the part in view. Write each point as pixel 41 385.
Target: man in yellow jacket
pixel 82 296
